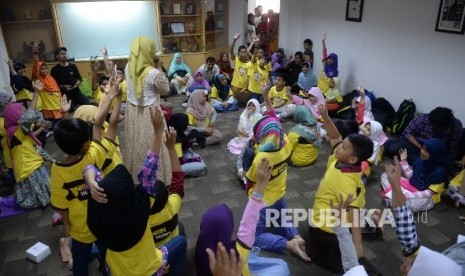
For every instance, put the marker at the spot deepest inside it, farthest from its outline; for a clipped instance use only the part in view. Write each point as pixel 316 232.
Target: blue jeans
pixel 258 97
pixel 277 239
pixel 177 254
pixel 221 108
pixel 82 255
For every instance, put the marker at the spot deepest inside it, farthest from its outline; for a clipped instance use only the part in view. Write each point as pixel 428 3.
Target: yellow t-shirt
pixel 276 188
pixel 244 253
pixel 303 154
pixel 50 100
pixel 192 121
pixel 25 94
pixel 124 87
pixel 240 73
pixel 214 95
pixel 4 142
pixel 277 97
pixel 164 224
pixel 25 157
pixel 143 259
pixel 103 96
pixel 69 188
pixel 457 180
pixel 258 76
pixel 333 183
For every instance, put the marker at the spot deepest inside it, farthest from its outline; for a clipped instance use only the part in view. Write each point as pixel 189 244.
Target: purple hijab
pixel 217 225
pixel 331 70
pixel 199 84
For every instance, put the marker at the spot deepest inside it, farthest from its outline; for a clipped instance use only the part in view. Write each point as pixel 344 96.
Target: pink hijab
pixel 316 92
pixel 12 115
pixel 194 107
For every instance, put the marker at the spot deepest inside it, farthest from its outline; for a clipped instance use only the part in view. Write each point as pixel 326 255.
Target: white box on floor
pixel 38 252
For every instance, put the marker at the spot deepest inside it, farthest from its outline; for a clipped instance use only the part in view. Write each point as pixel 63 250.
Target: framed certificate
pixel 177 27
pixel 164 9
pixel 190 9
pixel 176 8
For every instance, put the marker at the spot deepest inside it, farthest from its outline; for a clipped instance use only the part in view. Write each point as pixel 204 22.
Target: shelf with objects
pixel 25 23
pixel 216 24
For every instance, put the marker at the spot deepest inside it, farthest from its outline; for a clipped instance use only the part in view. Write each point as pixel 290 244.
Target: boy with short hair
pixel 258 72
pixel 343 176
pixel 278 93
pixel 69 191
pixel 241 65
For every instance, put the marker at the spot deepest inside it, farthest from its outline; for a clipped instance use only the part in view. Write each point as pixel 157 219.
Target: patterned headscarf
pixel 5 99
pixel 306 125
pixel 12 114
pixel 140 60
pixel 268 133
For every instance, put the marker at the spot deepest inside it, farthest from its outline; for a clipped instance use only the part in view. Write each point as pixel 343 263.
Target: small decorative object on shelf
pixel 177 28
pixel 165 29
pixel 174 47
pixel 220 24
pixel 210 22
pixel 194 47
pixel 176 8
pixel 191 28
pixel 219 7
pixel 190 8
pixel 184 47
pixel 164 9
pixel 27 14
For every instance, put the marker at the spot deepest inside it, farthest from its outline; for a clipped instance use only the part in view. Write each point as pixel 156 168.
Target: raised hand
pixel 38 86
pixel 324 36
pixel 323 110
pixel 65 104
pixel 237 36
pixel 96 65
pixel 265 89
pixel 157 118
pixel 35 49
pixel 256 40
pixel 403 154
pixel 263 175
pixel 104 50
pixel 224 264
pixel 170 137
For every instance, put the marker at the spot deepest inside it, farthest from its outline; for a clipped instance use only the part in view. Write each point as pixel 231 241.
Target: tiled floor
pixel 20 232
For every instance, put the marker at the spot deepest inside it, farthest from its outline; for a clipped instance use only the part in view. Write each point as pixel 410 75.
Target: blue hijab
pixel 174 67
pixel 306 80
pixel 331 70
pixel 433 170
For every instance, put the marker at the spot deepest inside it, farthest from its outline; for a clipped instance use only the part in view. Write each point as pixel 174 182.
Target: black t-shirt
pixel 66 75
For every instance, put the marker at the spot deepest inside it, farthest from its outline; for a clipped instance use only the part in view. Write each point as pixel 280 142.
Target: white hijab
pixel 378 137
pixel 367 115
pixel 356 271
pixel 432 263
pixel 246 121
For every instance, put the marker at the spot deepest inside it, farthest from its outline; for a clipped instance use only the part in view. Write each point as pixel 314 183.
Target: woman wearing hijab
pixel 179 74
pixel 146 82
pixel 191 163
pixel 362 107
pixel 304 137
pixel 237 145
pixel 222 98
pixel 430 169
pixel 225 66
pixel 217 225
pixel 330 67
pixel 333 94
pixel 202 117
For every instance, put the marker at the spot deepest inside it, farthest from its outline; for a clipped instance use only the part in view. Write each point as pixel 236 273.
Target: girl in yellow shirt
pixel 304 137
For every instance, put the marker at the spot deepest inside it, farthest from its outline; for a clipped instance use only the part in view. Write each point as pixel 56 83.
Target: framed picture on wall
pixel 451 17
pixel 164 9
pixel 190 9
pixel 176 8
pixel 354 10
pixel 220 24
pixel 177 28
pixel 219 7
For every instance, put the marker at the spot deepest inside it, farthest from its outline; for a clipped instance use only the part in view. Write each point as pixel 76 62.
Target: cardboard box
pixel 38 252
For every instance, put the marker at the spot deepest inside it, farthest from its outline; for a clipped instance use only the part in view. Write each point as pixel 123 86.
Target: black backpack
pixel 383 112
pixel 404 115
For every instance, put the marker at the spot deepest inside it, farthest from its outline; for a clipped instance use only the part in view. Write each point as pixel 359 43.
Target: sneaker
pixel 184 104
pixel 50 133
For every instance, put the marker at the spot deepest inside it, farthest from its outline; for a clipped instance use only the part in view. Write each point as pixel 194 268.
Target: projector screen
pixel 87 26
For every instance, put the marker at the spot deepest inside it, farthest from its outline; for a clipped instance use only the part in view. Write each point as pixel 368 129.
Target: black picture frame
pixel 354 10
pixel 164 9
pixel 451 17
pixel 219 7
pixel 190 8
pixel 177 28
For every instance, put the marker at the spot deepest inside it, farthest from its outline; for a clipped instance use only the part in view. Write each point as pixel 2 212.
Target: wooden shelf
pixel 215 31
pixel 219 13
pixel 180 35
pixel 178 15
pixel 27 21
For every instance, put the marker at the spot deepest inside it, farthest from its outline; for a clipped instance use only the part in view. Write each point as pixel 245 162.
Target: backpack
pixel 404 115
pixel 383 112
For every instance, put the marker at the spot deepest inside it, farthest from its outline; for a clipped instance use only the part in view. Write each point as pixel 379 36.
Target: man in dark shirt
pixel 293 69
pixel 68 78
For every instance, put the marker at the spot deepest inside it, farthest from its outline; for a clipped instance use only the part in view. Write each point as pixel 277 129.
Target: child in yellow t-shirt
pixel 69 190
pixel 241 65
pixel 278 94
pixel 342 178
pixel 127 235
pixel 258 73
pixel 273 144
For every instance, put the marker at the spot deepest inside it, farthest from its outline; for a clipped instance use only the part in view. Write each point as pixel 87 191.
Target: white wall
pixel 393 51
pixel 4 70
pixel 237 20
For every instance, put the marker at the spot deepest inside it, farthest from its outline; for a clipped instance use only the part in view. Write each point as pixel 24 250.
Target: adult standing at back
pixel 68 78
pixel 146 82
pixel 258 14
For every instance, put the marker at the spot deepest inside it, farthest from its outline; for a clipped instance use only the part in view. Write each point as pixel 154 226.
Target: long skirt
pixel 34 191
pixel 138 135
